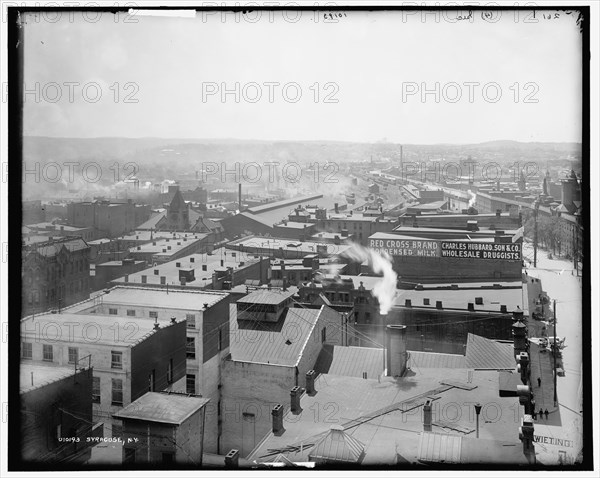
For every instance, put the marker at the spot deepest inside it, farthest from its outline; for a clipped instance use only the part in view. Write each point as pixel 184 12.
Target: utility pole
pixel 535 232
pixel 555 347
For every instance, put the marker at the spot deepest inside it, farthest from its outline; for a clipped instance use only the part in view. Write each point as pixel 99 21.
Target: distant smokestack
pixel 240 196
pixel 427 416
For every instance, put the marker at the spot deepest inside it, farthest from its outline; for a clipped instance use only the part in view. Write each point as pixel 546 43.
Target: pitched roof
pixel 350 361
pixel 277 343
pixel 484 353
pixel 338 446
pixel 418 360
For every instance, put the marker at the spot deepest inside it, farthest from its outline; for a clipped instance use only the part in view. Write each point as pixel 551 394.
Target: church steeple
pixel 178 214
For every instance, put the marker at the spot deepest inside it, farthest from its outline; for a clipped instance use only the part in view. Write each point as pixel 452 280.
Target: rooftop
pixel 491 299
pixel 53 247
pixel 88 328
pixel 163 407
pixel 188 299
pixel 277 343
pixel 36 375
pixel 203 278
pixel 258 243
pixel 161 246
pixel 266 297
pixel 385 415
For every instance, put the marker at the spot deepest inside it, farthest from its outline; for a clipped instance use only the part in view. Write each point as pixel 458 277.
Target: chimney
pixel 396 350
pixel 336 208
pixel 295 400
pixel 277 418
pixel 526 437
pixel 310 382
pixel 517 315
pixel 523 367
pixel 232 458
pixel 519 330
pixel 222 263
pixel 240 196
pixel 156 326
pixel 427 416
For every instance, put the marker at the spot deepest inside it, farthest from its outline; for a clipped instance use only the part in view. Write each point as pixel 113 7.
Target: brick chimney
pixel 310 382
pixel 295 400
pixel 523 367
pixel 427 416
pixel 277 416
pixel 519 330
pixel 396 350
pixel 232 459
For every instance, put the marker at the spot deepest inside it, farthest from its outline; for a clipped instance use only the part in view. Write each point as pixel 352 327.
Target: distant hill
pixel 152 150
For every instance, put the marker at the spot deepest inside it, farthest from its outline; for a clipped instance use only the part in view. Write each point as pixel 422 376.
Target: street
pixel 560 282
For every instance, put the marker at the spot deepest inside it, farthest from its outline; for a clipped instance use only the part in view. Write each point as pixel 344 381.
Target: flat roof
pixel 189 299
pixel 385 414
pixel 350 361
pixel 276 343
pixel 157 249
pixel 89 328
pixel 259 243
pixel 163 407
pixel 272 297
pixel 36 375
pixel 492 299
pixel 193 261
pixel 295 225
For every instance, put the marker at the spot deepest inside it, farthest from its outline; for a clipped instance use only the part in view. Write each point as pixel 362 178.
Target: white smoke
pixel 380 263
pixel 473 198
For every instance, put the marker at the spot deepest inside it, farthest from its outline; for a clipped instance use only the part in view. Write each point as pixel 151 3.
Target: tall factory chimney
pixel 240 196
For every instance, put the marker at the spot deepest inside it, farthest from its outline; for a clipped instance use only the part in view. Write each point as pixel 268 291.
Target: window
pixel 191 348
pixel 151 381
pixel 323 334
pixel 190 383
pixel 112 311
pixel 153 314
pixel 116 359
pixel 96 389
pixel 27 350
pixel 130 312
pixel 117 391
pixel 191 320
pixel 73 354
pixel 170 371
pixel 48 353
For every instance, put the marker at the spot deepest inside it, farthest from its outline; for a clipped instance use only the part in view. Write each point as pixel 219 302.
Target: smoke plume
pixel 473 198
pixel 380 263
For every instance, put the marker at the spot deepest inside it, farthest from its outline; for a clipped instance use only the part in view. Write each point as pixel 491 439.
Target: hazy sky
pixel 374 64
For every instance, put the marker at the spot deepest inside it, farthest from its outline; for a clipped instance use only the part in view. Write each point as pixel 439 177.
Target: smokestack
pixel 337 208
pixel 427 416
pixel 240 196
pixel 396 350
pixel 277 419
